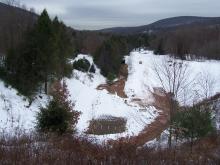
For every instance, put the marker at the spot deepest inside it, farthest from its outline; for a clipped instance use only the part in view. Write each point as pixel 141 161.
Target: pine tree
pixel 41 58
pixel 63 48
pixel 59 115
pixel 46 58
pixel 195 123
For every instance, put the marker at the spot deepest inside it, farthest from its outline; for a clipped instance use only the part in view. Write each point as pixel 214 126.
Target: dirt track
pixel 115 88
pixel 152 130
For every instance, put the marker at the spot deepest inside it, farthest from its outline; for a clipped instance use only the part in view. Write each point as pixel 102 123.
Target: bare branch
pixel 173 75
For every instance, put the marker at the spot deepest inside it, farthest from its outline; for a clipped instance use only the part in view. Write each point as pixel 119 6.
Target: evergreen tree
pixel 110 55
pixel 59 115
pixel 44 38
pixel 63 48
pixel 42 57
pixel 195 123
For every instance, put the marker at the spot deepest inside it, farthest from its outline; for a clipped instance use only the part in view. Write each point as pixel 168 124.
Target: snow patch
pixel 16 114
pixel 142 77
pixel 95 103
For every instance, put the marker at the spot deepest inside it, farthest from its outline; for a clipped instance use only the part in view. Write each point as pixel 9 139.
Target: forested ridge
pixel 37 48
pixel 195 42
pixel 39 53
pixel 14 22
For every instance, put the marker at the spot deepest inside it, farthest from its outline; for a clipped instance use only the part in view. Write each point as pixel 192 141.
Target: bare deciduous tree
pixel 206 84
pixel 173 76
pixel 11 2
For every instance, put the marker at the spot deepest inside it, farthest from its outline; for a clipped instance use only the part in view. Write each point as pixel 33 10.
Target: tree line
pixel 41 57
pixel 14 22
pixel 109 56
pixel 192 42
pixel 37 49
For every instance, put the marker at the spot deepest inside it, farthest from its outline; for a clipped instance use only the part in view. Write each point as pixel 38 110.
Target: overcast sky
pixel 97 14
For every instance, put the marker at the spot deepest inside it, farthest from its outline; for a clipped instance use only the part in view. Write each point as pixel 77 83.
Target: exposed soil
pixel 117 87
pixel 154 129
pixel 108 125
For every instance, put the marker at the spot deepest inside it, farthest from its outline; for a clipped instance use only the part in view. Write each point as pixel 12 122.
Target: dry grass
pixel 108 125
pixel 49 149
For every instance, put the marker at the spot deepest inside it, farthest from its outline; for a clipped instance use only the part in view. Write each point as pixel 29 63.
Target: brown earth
pixel 117 87
pixel 154 129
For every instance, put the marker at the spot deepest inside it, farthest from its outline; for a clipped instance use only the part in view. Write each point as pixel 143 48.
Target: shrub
pixel 58 116
pixel 194 123
pixel 81 65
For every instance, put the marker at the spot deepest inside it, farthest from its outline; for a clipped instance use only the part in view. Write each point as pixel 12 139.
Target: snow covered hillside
pixel 96 104
pixel 203 76
pixel 15 112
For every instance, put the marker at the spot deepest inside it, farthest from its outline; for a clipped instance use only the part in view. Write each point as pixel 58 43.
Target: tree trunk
pixel 170 138
pixel 171 120
pixel 45 88
pixel 191 145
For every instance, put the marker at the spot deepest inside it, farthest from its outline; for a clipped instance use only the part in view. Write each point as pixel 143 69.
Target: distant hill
pixel 15 15
pixel 14 22
pixel 166 24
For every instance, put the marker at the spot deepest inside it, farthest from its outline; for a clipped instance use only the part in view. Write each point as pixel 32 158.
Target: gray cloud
pixel 97 14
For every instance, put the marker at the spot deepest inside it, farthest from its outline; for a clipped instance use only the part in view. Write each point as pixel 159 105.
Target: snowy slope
pixel 142 77
pixel 95 103
pixel 14 110
pixel 140 83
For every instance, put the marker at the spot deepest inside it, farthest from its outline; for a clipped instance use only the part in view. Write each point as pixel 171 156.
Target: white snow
pixel 142 77
pixel 95 103
pixel 162 141
pixel 137 84
pixel 14 110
